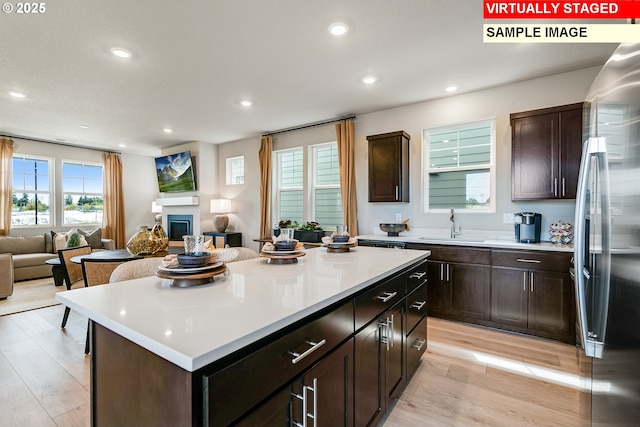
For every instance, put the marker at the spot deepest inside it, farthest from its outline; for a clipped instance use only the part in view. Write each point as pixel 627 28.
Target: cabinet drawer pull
pixel 530 261
pixel 417 275
pixel 418 343
pixel 386 296
pixel 418 305
pixel 315 345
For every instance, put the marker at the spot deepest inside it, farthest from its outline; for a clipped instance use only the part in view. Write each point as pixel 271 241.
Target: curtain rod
pixel 59 143
pixel 310 125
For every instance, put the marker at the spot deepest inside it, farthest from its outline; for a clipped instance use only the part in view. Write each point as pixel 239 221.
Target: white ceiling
pixel 193 61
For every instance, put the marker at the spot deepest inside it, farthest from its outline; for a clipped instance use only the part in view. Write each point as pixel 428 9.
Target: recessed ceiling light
pixel 120 52
pixel 338 29
pixel 17 95
pixel 122 145
pixel 167 130
pixel 369 80
pixel 452 88
pixel 246 103
pixel 84 126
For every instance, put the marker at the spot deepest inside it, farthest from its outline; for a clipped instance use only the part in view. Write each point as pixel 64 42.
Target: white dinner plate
pixel 181 269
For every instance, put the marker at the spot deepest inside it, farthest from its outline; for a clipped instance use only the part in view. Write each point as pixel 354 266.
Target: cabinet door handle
pixel 418 344
pixel 441 272
pixel 524 281
pixel 314 346
pixel 397 192
pixel 384 336
pixel 304 398
pixel 418 305
pixel 417 275
pixel 555 187
pixel 563 188
pixel 392 332
pixel 447 272
pixel 531 280
pixel 386 296
pixel 530 261
pixel 307 414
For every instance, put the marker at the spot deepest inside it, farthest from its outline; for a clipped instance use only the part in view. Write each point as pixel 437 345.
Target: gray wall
pixel 496 102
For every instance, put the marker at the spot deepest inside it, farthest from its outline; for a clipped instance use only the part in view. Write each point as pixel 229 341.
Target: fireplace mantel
pixel 178 201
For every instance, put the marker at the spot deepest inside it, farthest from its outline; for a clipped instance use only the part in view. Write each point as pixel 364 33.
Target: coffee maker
pixel 527 227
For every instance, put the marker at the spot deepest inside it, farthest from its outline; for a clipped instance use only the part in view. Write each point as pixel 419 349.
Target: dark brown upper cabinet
pixel 389 167
pixel 546 146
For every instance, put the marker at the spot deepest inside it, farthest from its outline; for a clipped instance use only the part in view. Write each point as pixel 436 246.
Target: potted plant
pixel 284 223
pixel 309 231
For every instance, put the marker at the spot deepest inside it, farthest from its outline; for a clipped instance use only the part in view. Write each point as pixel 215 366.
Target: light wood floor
pixel 468 377
pixel 471 376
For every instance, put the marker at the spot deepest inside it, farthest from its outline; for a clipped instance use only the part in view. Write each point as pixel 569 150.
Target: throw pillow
pixel 93 237
pixel 73 241
pixel 60 239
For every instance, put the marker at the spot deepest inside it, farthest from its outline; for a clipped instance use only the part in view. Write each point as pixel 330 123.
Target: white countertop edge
pixel 194 363
pixel 489 243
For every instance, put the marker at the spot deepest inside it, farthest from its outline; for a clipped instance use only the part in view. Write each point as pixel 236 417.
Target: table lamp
pixel 220 207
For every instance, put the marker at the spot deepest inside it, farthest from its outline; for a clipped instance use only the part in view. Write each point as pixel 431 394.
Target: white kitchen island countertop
pixel 195 326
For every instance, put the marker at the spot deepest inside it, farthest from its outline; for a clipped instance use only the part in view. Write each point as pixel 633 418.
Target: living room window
pixel 459 167
pixel 31 182
pixel 308 188
pixel 82 193
pixel 235 170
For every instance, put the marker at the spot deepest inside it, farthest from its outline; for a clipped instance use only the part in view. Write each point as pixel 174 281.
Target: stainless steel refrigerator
pixel 606 266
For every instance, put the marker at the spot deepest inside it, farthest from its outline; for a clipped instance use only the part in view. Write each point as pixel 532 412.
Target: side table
pixel 56 271
pixel 224 239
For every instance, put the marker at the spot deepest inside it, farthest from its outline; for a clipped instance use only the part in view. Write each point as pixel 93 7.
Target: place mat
pixel 182 280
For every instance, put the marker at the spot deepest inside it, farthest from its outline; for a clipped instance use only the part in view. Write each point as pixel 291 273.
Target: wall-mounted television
pixel 175 173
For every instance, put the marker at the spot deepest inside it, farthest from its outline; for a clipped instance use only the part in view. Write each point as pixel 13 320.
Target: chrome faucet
pixel 454 233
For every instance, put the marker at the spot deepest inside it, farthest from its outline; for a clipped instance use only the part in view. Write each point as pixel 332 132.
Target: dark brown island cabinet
pixel 546 147
pixel 342 366
pixel 389 167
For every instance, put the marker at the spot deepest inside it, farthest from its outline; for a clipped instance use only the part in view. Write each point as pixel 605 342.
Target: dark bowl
pixel 393 227
pixel 194 260
pixel 340 239
pixel 286 246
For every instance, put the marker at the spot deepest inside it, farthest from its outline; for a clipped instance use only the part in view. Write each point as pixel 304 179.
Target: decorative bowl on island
pixel 340 239
pixel 286 246
pixel 194 259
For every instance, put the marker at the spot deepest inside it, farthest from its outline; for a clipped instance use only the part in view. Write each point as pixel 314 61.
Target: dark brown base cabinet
pixel 459 283
pixel 351 361
pixel 521 291
pixel 532 293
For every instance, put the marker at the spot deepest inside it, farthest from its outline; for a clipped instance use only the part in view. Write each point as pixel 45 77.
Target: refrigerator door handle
pixel 592 347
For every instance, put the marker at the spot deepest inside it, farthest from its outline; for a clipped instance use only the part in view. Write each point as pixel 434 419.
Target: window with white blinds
pixel 459 171
pixel 308 189
pixel 327 202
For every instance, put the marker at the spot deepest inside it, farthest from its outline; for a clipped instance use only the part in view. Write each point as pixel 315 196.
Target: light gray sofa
pixel 25 256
